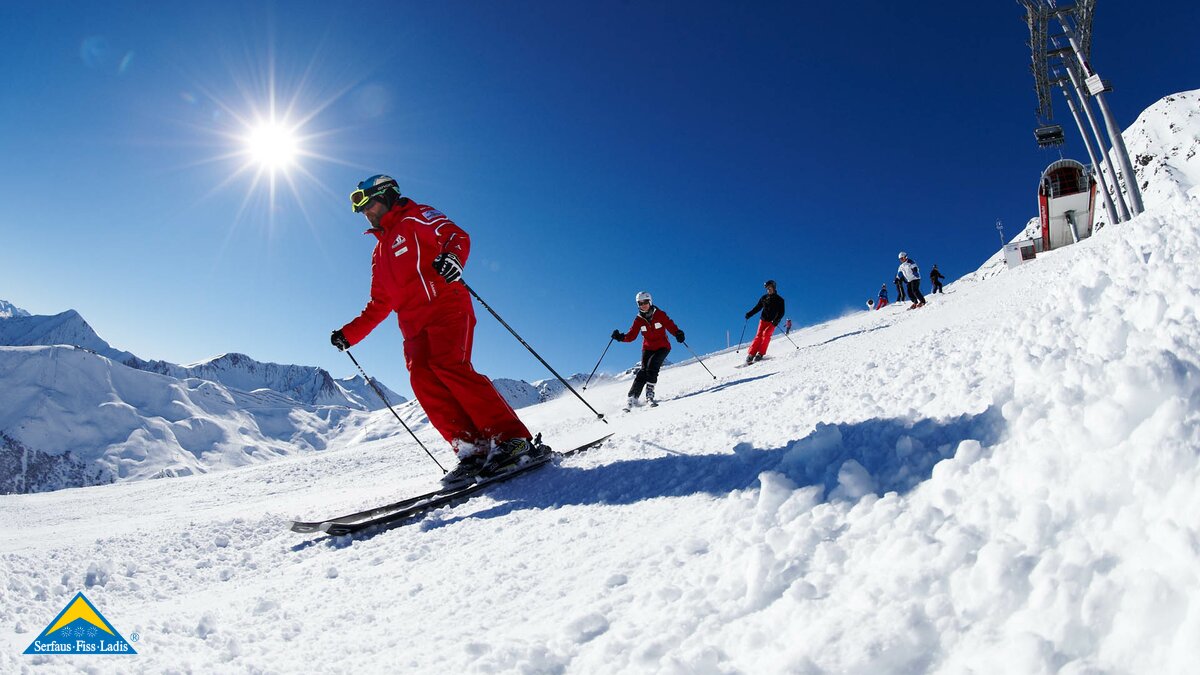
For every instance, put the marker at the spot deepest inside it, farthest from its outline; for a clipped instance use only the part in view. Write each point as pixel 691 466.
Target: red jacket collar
pixel 400 206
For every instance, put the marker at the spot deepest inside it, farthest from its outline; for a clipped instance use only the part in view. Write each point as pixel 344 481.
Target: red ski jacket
pixel 403 280
pixel 654 331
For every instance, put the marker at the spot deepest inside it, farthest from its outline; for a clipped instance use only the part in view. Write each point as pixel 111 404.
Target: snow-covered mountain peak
pixel 64 328
pixel 306 384
pixel 231 359
pixel 9 310
pixel 1164 146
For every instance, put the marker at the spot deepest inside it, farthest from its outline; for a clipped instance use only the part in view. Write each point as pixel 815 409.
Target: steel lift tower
pixel 1078 82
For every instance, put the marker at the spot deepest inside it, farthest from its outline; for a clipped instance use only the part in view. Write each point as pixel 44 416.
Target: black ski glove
pixel 748 315
pixel 337 339
pixel 447 265
pixel 618 336
pixel 679 336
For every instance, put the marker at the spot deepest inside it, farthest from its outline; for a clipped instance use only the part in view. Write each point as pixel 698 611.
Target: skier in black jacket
pixel 936 277
pixel 771 304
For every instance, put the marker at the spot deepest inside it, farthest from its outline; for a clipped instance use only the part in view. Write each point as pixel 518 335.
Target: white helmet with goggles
pixel 379 187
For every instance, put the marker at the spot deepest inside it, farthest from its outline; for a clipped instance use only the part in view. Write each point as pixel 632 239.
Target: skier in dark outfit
pixel 936 277
pixel 771 304
pixel 653 324
pixel 900 284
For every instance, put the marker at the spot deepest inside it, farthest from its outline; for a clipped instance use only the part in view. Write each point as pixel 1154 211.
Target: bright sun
pixel 266 138
pixel 272 146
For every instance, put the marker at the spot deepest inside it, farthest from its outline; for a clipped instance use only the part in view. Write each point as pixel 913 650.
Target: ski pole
pixel 700 360
pixel 740 337
pixel 585 384
pixel 791 341
pixel 389 407
pixel 538 356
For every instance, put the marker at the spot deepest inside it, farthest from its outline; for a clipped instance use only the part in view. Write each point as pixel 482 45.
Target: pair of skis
pixel 410 507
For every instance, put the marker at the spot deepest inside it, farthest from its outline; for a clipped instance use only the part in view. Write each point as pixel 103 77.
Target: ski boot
pixel 511 454
pixel 749 359
pixel 466 471
pixel 629 403
pixel 650 396
pixel 757 358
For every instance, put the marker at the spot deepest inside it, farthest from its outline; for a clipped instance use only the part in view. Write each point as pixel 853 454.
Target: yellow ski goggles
pixel 363 195
pixel 359 199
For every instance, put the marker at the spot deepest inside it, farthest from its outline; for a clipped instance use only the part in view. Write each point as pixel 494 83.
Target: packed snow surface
pixel 1006 480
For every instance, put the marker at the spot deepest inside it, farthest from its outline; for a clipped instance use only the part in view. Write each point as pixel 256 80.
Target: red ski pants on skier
pixel 461 404
pixel 762 338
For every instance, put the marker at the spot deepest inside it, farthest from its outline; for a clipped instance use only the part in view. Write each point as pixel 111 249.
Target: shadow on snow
pixel 845 335
pixel 895 455
pixel 719 387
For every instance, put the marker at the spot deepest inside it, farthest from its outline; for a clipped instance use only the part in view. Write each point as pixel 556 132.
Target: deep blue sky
pixel 592 150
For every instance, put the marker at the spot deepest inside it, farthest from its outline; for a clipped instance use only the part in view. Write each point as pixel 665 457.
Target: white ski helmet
pixel 903 255
pixel 643 295
pixel 381 187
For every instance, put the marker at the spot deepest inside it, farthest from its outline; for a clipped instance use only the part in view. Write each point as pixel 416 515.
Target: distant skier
pixel 771 304
pixel 936 277
pixel 787 327
pixel 654 325
pixel 911 274
pixel 900 283
pixel 417 261
pixel 882 302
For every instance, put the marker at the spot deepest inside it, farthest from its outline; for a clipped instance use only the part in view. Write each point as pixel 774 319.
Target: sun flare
pixel 270 127
pixel 272 146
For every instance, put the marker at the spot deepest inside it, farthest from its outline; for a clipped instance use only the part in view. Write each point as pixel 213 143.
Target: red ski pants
pixel 762 339
pixel 461 404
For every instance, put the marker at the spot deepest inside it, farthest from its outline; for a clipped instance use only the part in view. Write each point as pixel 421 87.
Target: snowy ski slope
pixel 1007 480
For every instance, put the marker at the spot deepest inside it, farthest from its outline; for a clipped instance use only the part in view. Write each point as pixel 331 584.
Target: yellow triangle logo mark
pixel 80 629
pixel 80 609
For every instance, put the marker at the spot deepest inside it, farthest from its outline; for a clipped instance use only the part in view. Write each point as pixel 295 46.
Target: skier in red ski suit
pixel 653 324
pixel 418 258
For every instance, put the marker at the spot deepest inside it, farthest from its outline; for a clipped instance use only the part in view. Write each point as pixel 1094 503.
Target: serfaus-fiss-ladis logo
pixel 80 629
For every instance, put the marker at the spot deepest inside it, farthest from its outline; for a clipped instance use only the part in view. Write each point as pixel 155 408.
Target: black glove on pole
pixel 447 265
pixel 610 341
pixel 389 405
